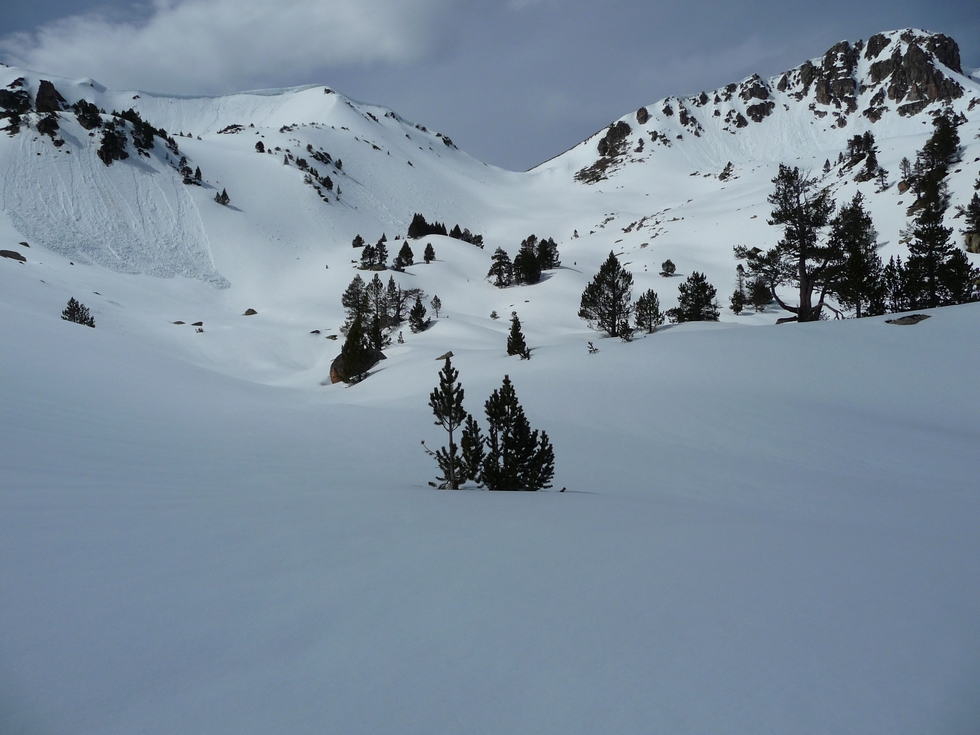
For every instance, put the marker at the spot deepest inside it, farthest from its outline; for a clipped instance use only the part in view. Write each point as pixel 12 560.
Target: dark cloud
pixel 511 81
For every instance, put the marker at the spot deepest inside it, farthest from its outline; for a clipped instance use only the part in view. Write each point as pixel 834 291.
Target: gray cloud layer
pixel 511 81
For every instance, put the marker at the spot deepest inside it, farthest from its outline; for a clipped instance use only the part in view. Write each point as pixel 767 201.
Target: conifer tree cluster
pixel 78 313
pixel 421 228
pixel 533 257
pixel 381 308
pixel 375 257
pixel 222 198
pixel 510 457
pixel 844 262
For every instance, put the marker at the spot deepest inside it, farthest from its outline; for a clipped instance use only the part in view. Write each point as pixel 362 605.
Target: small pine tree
pixel 222 198
pixel 416 317
pixel 356 355
pixel 446 402
pixel 516 458
pixel 606 301
pixel 381 253
pixel 405 257
pixel 695 300
pixel 858 283
pixel 429 254
pixel 760 294
pixel 647 312
pixel 667 268
pixel 494 314
pixel 471 442
pixel 355 301
pixel 368 256
pixel 501 272
pixel 357 242
pixel 737 302
pixel 78 313
pixel 516 344
pixel 260 147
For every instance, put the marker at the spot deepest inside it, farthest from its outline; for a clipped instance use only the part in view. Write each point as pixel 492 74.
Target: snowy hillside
pixel 765 529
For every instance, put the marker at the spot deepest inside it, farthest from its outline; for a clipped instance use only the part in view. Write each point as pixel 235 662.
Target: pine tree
pixel 429 254
pixel 799 259
pixel 381 253
pixel 516 458
pixel 416 317
pixel 548 257
pixel 515 340
pixel 501 272
pixel 667 268
pixel 737 302
pixel 858 282
pixel 357 242
pixel 471 442
pixel 527 266
pixel 368 256
pixel 436 305
pixel 356 355
pixel 446 402
pixel 760 295
pixel 378 312
pixel 937 273
pixel 404 258
pixel 606 301
pixel 895 286
pixel 395 298
pixel 78 313
pixel 222 198
pixel 355 301
pixel 695 300
pixel 647 312
pixel 971 224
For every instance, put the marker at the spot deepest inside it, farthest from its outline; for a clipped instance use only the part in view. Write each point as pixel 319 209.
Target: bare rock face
pixel 610 148
pixel 642 115
pixel 49 99
pixel 913 77
pixel 972 242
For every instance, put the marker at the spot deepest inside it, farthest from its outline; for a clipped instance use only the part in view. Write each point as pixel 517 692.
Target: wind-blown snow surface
pixel 765 530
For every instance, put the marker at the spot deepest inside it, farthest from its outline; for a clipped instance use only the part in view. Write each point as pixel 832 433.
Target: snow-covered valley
pixel 765 528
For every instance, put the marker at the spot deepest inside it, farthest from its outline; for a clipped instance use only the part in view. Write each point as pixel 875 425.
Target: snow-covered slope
pixel 766 529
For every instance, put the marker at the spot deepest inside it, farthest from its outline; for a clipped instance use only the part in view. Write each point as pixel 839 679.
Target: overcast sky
pixel 512 82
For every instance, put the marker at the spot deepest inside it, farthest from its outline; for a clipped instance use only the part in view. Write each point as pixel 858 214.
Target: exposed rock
pixel 49 99
pixel 915 76
pixel 972 242
pixel 642 115
pixel 783 83
pixel 761 111
pixel 754 88
pixel 445 356
pixel 179 322
pixel 13 255
pixel 909 320
pixel 613 142
pixel 903 186
pixel 876 44
pixel 197 324
pixel 250 312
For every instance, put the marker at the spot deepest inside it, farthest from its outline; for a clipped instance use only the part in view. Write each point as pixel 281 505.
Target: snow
pixel 764 530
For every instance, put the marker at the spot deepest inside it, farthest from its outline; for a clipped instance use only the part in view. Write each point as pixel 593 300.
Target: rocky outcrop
pixel 49 99
pixel 612 145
